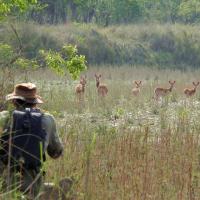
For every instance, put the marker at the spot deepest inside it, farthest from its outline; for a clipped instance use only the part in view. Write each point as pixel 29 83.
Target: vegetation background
pixel 119 147
pixel 135 32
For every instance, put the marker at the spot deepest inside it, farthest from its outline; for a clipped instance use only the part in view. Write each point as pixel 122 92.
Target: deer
pixel 80 88
pixel 191 91
pixel 161 92
pixel 136 90
pixel 101 88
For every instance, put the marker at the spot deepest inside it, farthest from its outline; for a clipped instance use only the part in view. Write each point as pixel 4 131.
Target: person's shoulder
pixel 48 117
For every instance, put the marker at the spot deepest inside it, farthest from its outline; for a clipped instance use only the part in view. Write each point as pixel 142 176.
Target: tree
pixel 66 61
pixel 52 12
pixel 126 11
pixel 9 56
pixel 8 7
pixel 189 11
pixel 74 63
pixel 103 14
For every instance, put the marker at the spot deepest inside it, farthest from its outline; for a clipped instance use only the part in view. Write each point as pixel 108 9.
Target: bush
pixel 169 45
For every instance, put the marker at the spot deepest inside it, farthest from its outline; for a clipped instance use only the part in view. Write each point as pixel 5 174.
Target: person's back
pixel 29 131
pixel 23 141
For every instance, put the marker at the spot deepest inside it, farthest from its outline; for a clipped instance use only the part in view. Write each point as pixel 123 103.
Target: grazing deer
pixel 161 92
pixel 101 88
pixel 191 91
pixel 136 90
pixel 80 88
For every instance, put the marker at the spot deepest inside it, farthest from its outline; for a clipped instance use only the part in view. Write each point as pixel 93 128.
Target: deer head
pixel 97 79
pixel 171 84
pixel 83 80
pixel 138 84
pixel 195 84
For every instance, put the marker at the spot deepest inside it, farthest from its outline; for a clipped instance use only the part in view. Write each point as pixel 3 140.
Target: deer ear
pixel 140 82
pixel 99 75
pixel 174 81
pixel 136 82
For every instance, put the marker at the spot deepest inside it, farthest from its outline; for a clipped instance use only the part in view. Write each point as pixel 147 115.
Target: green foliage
pixel 6 53
pixel 65 61
pixel 102 12
pixel 49 11
pixel 125 11
pixel 117 11
pixel 69 51
pixel 7 7
pixel 10 58
pixel 189 11
pixel 26 64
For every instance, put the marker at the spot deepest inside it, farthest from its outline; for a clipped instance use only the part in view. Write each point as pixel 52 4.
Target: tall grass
pixel 126 147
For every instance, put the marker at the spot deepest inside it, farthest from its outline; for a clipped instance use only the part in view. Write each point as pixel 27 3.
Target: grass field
pixel 121 146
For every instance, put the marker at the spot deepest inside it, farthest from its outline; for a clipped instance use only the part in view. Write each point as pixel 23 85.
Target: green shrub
pixel 150 45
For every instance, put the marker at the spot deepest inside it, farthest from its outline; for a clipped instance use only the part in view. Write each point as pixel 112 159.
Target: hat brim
pixel 36 100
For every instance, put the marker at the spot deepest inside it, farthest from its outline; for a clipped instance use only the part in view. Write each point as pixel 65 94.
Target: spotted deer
pixel 161 92
pixel 191 91
pixel 136 89
pixel 101 88
pixel 80 88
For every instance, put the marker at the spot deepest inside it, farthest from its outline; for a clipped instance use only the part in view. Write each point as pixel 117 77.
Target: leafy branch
pixel 66 61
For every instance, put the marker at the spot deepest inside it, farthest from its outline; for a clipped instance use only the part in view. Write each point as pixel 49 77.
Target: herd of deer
pixel 159 92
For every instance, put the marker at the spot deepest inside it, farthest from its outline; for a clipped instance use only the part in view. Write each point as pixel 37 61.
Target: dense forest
pixel 107 12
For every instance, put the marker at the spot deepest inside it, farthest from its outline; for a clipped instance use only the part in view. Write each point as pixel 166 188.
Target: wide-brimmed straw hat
pixel 26 92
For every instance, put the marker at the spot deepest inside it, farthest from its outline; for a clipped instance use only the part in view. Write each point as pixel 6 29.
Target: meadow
pixel 121 146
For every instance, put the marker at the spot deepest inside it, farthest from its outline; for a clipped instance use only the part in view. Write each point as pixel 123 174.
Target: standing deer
pixel 101 88
pixel 161 92
pixel 191 91
pixel 136 90
pixel 80 88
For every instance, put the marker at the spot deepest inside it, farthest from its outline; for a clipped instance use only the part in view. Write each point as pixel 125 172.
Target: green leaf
pixel 66 61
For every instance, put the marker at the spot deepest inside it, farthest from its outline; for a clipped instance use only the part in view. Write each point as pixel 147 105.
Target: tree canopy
pixel 8 7
pixel 106 12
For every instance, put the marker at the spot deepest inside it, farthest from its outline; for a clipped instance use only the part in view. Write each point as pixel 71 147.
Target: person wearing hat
pixel 25 100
